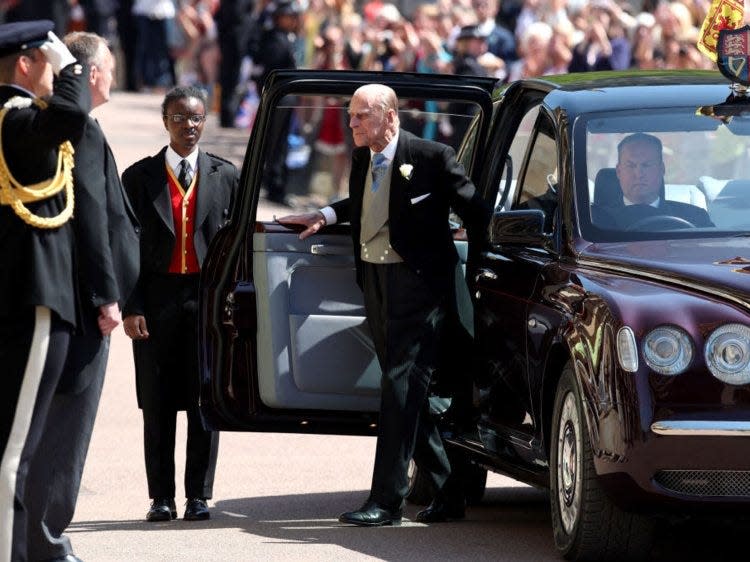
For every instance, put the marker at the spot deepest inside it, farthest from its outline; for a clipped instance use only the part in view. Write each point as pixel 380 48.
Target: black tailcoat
pixel 148 189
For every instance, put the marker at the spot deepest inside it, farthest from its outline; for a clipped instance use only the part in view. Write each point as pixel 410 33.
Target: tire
pixel 585 522
pixel 421 491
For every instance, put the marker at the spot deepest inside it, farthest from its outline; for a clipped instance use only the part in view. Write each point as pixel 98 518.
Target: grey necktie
pixel 186 177
pixel 379 167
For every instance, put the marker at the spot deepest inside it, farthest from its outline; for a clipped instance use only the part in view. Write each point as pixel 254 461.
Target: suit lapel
pixel 207 177
pixel 157 184
pixel 360 167
pixel 398 182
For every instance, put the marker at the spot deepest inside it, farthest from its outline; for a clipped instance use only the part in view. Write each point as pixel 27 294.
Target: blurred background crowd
pixel 229 46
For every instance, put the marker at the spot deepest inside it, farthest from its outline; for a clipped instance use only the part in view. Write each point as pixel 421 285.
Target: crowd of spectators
pixel 163 42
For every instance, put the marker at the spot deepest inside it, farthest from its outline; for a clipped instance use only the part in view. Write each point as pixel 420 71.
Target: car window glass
pixel 538 188
pixel 516 154
pixel 318 146
pixel 701 182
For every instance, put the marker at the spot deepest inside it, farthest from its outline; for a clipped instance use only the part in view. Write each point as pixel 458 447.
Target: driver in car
pixel 640 171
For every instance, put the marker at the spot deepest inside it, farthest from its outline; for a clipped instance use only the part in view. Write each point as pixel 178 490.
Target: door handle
pixel 330 250
pixel 485 274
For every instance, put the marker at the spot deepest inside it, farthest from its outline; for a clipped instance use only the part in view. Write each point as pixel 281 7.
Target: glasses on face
pixel 194 119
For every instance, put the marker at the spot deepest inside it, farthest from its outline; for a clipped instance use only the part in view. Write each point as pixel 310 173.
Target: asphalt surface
pixel 277 497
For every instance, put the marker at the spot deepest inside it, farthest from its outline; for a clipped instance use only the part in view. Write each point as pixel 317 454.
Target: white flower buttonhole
pixel 406 170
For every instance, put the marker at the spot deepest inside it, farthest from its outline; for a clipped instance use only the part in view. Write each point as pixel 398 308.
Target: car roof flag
pixel 722 14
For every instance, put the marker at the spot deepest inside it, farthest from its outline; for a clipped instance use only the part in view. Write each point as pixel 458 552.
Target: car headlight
pixel 668 350
pixel 728 354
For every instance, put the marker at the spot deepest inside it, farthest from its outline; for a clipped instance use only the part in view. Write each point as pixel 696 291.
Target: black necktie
pixel 185 178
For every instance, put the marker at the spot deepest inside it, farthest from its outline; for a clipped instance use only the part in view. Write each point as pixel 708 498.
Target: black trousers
pixel 33 347
pixel 57 466
pixel 407 319
pixel 167 364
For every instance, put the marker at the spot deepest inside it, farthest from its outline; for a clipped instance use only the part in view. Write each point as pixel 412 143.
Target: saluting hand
pixel 57 53
pixel 135 327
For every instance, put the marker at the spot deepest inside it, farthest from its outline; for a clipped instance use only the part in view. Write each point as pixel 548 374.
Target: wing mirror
pixel 524 227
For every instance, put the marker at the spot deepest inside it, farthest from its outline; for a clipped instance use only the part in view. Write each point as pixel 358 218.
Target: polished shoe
pixel 162 509
pixel 441 510
pixel 371 515
pixel 196 509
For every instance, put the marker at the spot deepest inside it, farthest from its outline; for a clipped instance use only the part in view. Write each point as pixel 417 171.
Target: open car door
pixel 285 344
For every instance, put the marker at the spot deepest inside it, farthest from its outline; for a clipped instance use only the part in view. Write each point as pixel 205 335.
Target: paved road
pixel 276 496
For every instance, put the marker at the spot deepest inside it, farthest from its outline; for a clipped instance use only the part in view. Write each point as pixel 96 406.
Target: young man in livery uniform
pixel 181 196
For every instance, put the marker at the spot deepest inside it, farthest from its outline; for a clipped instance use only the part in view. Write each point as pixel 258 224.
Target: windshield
pixel 662 174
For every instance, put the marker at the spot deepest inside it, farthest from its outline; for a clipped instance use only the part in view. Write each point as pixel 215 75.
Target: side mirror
pixel 524 227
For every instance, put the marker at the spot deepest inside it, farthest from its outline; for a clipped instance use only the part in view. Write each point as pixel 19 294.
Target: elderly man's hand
pixel 313 221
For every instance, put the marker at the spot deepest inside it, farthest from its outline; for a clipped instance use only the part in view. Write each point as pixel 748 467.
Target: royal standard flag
pixel 723 14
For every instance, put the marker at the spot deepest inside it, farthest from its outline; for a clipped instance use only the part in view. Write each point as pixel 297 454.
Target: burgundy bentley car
pixel 612 358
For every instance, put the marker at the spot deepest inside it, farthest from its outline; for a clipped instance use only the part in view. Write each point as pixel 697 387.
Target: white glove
pixel 57 53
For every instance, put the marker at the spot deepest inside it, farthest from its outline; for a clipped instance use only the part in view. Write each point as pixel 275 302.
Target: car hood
pixel 713 264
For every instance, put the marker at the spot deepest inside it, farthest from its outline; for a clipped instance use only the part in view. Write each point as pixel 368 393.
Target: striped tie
pixel 379 167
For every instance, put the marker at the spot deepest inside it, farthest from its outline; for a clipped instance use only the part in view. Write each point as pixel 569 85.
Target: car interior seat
pixel 607 190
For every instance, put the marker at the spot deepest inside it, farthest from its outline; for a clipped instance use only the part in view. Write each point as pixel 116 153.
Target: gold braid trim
pixel 16 195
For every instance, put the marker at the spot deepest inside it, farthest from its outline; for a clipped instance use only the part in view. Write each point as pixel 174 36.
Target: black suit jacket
pixel 107 229
pixel 36 265
pixel 419 206
pixel 146 185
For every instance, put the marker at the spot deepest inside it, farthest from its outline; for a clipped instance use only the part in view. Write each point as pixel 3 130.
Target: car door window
pixel 514 161
pixel 318 146
pixel 538 188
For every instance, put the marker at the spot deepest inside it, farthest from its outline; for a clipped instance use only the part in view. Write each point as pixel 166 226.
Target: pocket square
pixel 415 200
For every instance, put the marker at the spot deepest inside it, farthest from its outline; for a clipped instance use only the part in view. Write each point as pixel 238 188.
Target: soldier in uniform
pixel 181 196
pixel 37 295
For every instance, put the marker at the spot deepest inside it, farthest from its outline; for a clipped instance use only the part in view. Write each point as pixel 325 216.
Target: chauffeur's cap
pixel 21 35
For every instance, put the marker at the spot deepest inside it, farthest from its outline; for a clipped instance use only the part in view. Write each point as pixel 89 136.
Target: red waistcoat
pixel 184 258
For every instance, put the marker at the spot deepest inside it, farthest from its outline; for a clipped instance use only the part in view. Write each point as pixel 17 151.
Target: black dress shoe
pixel 196 509
pixel 162 509
pixel 442 510
pixel 371 515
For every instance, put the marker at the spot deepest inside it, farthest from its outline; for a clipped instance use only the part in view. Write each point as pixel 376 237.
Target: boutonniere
pixel 406 170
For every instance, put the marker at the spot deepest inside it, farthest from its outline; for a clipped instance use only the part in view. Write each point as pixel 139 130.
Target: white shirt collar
pixel 654 203
pixel 389 151
pixel 174 159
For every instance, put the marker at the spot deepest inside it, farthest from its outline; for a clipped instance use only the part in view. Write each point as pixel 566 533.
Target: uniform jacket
pixel 419 206
pixel 36 265
pixel 106 228
pixel 146 185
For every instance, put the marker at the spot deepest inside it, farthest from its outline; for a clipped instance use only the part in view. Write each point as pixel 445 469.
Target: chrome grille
pixel 724 483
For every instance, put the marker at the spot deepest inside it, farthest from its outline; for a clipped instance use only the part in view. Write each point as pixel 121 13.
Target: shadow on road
pixel 511 523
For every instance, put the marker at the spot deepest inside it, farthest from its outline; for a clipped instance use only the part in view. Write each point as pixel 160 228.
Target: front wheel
pixel 585 522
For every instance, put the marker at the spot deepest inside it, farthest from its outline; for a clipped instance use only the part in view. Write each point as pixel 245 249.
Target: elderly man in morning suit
pixel 401 188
